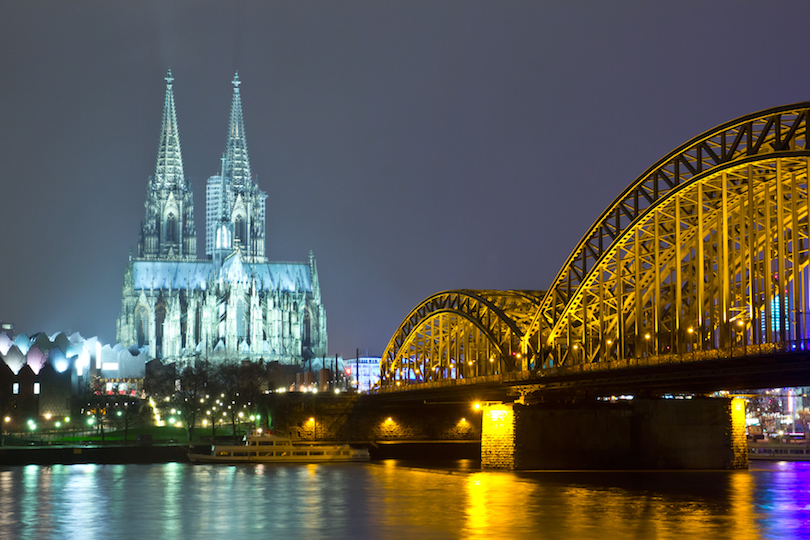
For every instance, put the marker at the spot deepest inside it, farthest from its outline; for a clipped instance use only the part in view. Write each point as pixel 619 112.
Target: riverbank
pixel 174 452
pixel 107 454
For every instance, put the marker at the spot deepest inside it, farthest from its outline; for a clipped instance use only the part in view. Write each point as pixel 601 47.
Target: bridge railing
pixel 630 363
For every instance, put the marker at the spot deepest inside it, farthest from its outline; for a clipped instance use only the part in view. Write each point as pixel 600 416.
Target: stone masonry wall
pixel 642 434
pixel 350 417
pixel 498 437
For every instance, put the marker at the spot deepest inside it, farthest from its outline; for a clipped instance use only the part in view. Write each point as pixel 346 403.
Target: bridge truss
pixel 705 254
pixel 460 334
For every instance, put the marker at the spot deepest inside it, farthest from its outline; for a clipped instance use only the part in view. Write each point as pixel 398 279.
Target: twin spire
pixel 169 165
pixel 236 155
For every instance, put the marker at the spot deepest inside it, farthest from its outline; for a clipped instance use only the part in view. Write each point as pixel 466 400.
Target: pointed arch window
pixel 141 320
pixel 240 230
pixel 171 228
pixel 160 317
pixel 240 319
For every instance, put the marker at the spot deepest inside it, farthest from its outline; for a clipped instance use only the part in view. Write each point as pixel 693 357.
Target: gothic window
pixel 183 319
pixel 160 316
pixel 222 315
pixel 171 229
pixel 240 230
pixel 141 319
pixel 223 238
pixel 198 325
pixel 240 319
pixel 305 339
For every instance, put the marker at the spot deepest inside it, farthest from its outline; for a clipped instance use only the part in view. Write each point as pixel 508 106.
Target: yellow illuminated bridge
pixel 696 276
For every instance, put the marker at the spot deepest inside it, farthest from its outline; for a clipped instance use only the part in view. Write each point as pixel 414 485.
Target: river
pixel 399 500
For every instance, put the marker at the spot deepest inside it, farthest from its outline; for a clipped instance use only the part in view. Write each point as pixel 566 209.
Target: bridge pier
pixel 698 433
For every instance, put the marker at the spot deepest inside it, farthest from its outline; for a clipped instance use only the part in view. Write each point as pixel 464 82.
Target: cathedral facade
pixel 233 304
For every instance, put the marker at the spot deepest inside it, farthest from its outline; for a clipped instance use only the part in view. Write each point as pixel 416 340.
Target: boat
pixel 777 450
pixel 270 448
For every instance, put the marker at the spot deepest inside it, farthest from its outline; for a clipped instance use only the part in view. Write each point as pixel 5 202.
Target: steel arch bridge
pixel 703 256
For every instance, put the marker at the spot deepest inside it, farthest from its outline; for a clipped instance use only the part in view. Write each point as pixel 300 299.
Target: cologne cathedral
pixel 233 304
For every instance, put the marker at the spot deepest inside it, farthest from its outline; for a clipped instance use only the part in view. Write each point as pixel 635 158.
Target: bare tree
pixel 234 387
pixel 126 412
pixel 189 395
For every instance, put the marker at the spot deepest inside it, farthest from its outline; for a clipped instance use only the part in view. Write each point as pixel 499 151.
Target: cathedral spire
pixel 236 154
pixel 167 230
pixel 169 166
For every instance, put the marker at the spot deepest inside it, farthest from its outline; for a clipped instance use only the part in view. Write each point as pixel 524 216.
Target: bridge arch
pixel 706 250
pixel 459 334
pixel 704 255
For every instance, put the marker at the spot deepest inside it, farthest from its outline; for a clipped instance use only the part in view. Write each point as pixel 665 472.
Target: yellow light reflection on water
pixel 492 509
pixel 582 505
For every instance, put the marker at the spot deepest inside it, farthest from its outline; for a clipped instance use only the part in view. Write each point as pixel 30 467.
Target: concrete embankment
pixel 421 450
pixel 108 454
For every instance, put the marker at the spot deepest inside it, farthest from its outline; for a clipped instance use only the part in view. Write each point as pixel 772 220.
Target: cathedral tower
pixel 167 231
pixel 235 305
pixel 235 206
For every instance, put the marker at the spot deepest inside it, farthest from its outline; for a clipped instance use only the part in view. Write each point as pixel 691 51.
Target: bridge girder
pixel 706 251
pixel 702 270
pixel 459 334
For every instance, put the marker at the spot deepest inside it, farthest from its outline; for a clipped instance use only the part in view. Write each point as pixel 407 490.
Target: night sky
pixel 413 146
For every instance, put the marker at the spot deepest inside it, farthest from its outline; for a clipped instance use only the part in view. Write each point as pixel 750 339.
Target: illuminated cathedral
pixel 233 304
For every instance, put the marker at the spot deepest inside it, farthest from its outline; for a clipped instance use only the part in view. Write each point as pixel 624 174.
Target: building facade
pixel 234 304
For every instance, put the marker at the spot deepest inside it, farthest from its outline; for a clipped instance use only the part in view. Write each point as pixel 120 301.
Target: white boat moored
pixel 269 448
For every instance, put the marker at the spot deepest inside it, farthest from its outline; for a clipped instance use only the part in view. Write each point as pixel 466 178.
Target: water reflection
pixel 392 500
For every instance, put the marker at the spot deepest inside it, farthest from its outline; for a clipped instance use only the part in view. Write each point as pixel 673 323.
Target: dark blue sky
pixel 413 146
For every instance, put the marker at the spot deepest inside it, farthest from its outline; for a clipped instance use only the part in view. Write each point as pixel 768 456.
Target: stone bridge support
pixel 698 433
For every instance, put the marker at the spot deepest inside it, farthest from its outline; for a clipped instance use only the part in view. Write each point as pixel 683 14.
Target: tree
pixel 125 413
pixel 159 380
pixel 7 405
pixel 94 404
pixel 215 399
pixel 253 383
pixel 189 395
pixel 235 387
